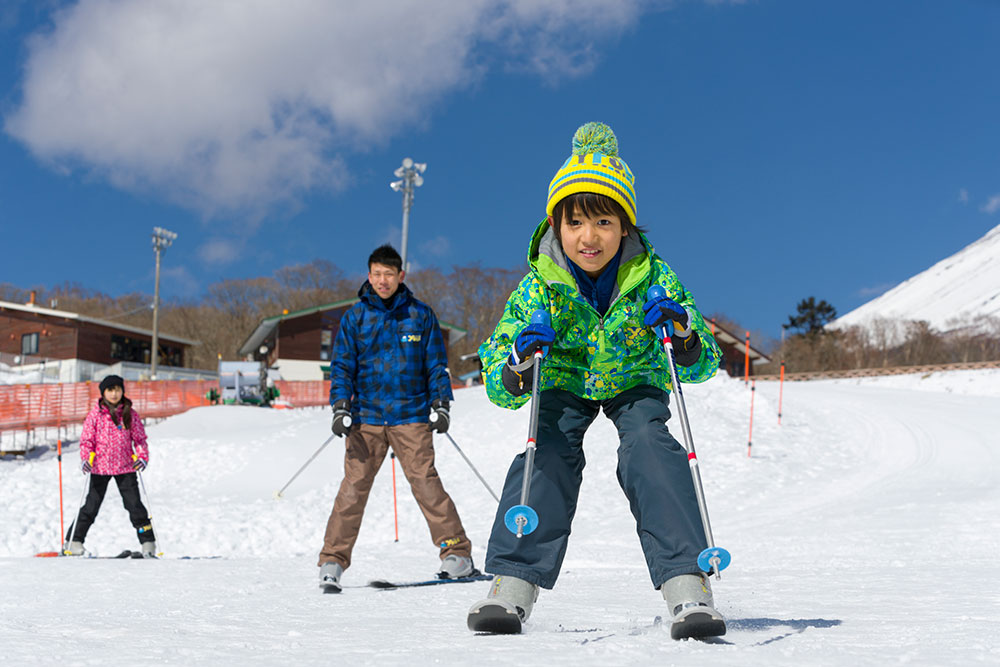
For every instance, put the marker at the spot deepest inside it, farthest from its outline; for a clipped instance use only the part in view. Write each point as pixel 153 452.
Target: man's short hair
pixel 386 255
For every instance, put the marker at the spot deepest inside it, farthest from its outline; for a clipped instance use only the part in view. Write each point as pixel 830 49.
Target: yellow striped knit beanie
pixel 594 167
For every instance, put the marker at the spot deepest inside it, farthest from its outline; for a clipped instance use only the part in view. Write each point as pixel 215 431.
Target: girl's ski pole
pixel 277 494
pixel 149 506
pixel 712 559
pixel 447 435
pixel 521 519
pixel 86 487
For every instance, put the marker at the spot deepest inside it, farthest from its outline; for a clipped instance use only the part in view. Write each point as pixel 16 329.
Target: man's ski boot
pixel 456 567
pixel 329 577
pixel 148 549
pixel 689 597
pixel 507 606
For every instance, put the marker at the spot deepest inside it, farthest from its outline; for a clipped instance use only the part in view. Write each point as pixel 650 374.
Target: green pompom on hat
pixel 594 167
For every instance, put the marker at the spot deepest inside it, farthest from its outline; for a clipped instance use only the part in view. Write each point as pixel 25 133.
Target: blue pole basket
pixel 706 556
pixel 528 516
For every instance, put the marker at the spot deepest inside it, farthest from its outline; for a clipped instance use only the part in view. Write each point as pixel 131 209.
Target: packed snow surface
pixel 864 530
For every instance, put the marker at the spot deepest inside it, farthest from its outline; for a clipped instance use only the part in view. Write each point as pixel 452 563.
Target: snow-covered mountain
pixel 948 295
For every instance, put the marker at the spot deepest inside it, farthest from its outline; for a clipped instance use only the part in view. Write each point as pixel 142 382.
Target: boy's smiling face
pixel 591 242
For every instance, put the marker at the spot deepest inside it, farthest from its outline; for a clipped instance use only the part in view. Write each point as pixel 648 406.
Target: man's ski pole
pixel 712 559
pixel 395 511
pixel 277 494
pixel 448 435
pixel 521 519
pixel 86 487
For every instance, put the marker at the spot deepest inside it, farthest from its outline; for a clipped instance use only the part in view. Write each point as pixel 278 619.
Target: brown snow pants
pixel 367 446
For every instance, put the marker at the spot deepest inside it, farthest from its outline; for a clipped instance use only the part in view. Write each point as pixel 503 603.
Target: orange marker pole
pixel 753 390
pixel 746 361
pixel 781 389
pixel 395 513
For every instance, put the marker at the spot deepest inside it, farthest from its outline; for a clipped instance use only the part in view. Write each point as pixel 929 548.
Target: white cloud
pixel 239 106
pixel 220 251
pixel 992 205
pixel 963 196
pixel 439 246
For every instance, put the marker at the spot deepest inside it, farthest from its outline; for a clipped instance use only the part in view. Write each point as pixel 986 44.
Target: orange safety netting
pixel 28 406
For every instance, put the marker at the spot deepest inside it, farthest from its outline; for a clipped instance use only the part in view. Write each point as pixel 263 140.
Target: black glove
pixel 138 465
pixel 86 467
pixel 440 417
pixel 341 418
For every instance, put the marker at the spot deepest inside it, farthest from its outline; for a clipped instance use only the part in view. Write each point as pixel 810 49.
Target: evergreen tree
pixel 812 316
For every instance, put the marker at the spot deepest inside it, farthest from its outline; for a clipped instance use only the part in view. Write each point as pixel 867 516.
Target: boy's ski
pixel 390 585
pixel 494 618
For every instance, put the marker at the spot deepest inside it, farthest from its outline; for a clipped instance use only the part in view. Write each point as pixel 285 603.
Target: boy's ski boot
pixel 329 577
pixel 507 606
pixel 148 549
pixel 689 597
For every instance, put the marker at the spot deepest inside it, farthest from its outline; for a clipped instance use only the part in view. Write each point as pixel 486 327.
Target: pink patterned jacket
pixel 112 443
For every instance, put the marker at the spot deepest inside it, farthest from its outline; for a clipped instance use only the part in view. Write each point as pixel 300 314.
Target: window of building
pixel 29 343
pixel 124 348
pixel 325 344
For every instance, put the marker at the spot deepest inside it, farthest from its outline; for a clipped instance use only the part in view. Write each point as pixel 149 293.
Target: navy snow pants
pixel 653 472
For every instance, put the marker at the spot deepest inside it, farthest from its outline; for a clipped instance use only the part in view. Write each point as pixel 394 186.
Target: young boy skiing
pixel 590 269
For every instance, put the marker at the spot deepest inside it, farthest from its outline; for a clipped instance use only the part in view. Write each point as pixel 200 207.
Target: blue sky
pixel 781 148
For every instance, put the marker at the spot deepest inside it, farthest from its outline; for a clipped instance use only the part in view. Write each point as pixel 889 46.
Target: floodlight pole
pixel 162 238
pixel 410 177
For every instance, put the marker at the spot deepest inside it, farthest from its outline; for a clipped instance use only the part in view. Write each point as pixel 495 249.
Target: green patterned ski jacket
pixel 593 357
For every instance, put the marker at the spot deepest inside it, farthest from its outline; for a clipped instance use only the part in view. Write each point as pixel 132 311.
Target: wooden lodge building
pixel 32 334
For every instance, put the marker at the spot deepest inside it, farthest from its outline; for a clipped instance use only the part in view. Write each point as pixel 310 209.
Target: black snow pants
pixel 128 487
pixel 653 472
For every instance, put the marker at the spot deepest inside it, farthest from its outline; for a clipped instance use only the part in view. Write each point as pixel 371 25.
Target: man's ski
pixel 390 585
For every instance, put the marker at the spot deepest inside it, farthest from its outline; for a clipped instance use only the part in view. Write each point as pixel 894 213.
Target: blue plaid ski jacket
pixel 390 362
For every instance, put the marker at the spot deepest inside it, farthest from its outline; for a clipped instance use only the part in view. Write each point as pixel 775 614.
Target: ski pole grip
pixel 541 316
pixel 655 292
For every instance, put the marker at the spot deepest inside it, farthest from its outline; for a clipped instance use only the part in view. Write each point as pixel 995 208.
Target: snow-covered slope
pixel 949 294
pixel 863 532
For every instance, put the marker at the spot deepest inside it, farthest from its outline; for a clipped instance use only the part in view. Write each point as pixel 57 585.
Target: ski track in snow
pixel 862 531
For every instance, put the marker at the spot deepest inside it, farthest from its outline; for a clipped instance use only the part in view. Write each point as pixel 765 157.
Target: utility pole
pixel 410 177
pixel 162 239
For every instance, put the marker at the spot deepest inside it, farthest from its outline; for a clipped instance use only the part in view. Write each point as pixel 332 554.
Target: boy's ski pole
pixel 447 435
pixel 712 559
pixel 86 487
pixel 277 494
pixel 521 519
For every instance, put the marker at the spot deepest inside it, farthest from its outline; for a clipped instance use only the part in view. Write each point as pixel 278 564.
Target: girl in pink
pixel 113 444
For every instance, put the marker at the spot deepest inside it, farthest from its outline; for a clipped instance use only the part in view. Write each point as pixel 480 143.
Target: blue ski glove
pixel 440 416
pixel 662 311
pixel 532 338
pixel 341 418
